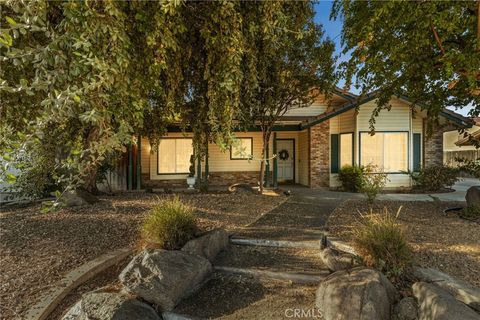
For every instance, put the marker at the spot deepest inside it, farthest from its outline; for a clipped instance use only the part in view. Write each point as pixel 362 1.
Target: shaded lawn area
pixel 37 249
pixel 447 243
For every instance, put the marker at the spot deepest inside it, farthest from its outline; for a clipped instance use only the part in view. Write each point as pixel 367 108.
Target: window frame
pixel 340 148
pixel 251 147
pixel 385 131
pixel 158 154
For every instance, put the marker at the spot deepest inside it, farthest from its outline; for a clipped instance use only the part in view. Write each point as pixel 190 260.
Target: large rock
pixel 208 245
pixel 437 304
pixel 473 196
pixel 460 289
pixel 165 277
pixel 110 306
pixel 355 294
pixel 405 309
pixel 78 198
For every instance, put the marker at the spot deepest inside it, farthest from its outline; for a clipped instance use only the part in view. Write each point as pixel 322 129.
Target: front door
pixel 286 160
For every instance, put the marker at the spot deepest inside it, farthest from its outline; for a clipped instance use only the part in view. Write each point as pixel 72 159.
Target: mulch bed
pixel 242 297
pixel 445 242
pixel 37 249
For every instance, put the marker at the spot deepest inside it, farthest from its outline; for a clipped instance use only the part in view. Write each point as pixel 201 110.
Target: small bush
pixel 351 178
pixel 382 244
pixel 373 181
pixel 169 225
pixel 435 178
pixel 471 212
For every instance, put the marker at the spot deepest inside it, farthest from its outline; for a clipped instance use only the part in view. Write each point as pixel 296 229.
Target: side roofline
pixel 448 114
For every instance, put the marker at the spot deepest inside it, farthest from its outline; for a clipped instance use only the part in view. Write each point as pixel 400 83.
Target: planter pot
pixel 191 182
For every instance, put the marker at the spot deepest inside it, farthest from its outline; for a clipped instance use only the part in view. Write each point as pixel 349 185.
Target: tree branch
pixel 437 39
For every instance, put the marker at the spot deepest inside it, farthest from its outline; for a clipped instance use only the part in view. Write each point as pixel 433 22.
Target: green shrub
pixel 169 225
pixel 381 243
pixel 471 212
pixel 373 181
pixel 435 178
pixel 351 178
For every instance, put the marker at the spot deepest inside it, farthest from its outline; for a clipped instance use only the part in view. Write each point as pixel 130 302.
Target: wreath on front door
pixel 283 154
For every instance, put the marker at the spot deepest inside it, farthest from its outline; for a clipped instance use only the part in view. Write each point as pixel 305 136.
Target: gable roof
pixel 452 116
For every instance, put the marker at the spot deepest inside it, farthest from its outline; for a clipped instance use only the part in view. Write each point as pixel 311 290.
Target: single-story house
pixel 311 144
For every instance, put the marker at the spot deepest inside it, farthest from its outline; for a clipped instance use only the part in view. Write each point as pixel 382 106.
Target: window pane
pixel 242 149
pixel 183 153
pixel 346 149
pixel 371 151
pixel 174 155
pixel 396 152
pixel 166 156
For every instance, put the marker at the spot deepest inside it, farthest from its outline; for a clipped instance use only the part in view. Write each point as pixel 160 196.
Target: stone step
pixel 271 258
pixel 287 276
pixel 333 242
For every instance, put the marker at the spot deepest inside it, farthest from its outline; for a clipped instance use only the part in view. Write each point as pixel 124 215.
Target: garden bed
pixel 38 249
pixel 445 242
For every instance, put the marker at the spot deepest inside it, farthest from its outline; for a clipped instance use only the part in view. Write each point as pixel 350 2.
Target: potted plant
pixel 191 175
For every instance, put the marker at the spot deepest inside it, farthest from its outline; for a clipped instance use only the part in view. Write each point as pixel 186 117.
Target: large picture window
pixel 242 149
pixel 174 155
pixel 346 149
pixel 387 150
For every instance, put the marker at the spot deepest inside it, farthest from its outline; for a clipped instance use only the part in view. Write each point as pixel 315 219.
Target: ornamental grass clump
pixel 169 225
pixel 381 243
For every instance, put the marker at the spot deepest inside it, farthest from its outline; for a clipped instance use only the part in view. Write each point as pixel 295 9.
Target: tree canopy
pixel 79 79
pixel 288 62
pixel 427 50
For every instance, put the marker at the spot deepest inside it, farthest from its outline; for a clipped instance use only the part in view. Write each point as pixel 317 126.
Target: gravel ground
pixel 37 249
pixel 241 297
pixel 447 243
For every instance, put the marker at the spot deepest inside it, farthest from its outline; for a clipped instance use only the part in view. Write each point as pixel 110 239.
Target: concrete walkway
pixel 460 187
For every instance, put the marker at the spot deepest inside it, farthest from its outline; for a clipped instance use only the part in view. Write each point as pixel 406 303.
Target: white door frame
pixel 293 158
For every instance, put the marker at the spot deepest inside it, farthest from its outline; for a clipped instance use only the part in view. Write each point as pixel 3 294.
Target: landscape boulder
pixel 165 277
pixel 473 196
pixel 110 305
pixel 208 245
pixel 78 198
pixel 405 309
pixel 359 293
pixel 460 289
pixel 437 304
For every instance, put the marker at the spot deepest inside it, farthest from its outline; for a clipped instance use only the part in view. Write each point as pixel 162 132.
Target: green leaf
pixel 76 99
pixel 10 21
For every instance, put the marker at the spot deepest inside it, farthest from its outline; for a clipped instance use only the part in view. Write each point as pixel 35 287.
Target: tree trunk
pixel 266 138
pixel 90 167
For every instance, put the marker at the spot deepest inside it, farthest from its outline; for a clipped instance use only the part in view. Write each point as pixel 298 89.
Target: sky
pixel 333 29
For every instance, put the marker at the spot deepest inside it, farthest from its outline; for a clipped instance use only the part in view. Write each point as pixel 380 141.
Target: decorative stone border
pixel 50 300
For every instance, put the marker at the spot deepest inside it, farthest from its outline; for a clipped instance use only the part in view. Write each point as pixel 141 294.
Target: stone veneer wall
pixel 319 155
pixel 215 179
pixel 433 150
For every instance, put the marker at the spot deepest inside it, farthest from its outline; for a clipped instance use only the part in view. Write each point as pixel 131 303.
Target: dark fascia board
pixel 293 127
pixel 337 112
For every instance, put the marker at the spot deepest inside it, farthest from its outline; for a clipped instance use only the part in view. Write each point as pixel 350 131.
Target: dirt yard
pixel 37 249
pixel 447 243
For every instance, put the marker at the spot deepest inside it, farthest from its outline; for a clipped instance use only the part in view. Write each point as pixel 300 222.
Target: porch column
pixel 275 161
pixel 130 166
pixel 267 165
pixel 206 164
pixel 139 162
